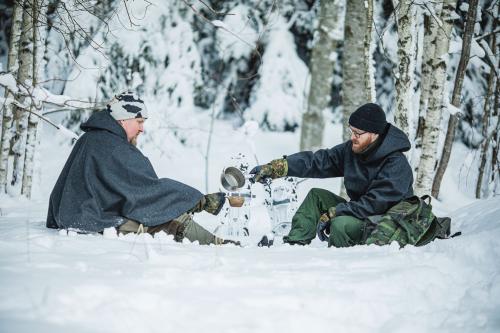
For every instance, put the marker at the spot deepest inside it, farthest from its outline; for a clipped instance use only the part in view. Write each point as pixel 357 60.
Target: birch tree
pixel 25 78
pixel 368 69
pixel 406 16
pixel 485 146
pixel 490 124
pixel 31 141
pixel 455 101
pixel 357 76
pixel 358 86
pixel 431 27
pixel 7 116
pixel 431 131
pixel 495 162
pixel 322 64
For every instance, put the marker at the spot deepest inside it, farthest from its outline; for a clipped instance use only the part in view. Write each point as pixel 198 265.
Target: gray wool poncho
pixel 107 180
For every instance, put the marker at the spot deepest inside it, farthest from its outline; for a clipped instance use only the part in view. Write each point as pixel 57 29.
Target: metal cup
pixel 232 179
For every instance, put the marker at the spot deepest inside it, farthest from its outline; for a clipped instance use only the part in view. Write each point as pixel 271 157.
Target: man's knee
pixel 339 224
pixel 314 192
pixel 338 235
pixel 345 231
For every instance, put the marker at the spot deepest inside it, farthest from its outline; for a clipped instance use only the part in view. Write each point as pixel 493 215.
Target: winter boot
pixel 266 241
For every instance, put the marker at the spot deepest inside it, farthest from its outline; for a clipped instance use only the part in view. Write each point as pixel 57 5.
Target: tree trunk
pixel 495 138
pixel 369 69
pixel 322 64
pixel 356 88
pixel 357 67
pixel 495 163
pixel 31 142
pixel 485 147
pixel 7 116
pixel 455 101
pixel 25 77
pixel 428 159
pixel 431 28
pixel 406 16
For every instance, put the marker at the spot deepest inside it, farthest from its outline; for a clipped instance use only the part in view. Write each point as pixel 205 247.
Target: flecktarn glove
pixel 323 227
pixel 272 170
pixel 214 202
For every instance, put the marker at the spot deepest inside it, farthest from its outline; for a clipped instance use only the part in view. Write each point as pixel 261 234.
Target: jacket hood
pixel 394 140
pixel 103 120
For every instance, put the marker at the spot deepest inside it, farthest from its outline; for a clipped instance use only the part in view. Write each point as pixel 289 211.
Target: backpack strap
pixel 426 197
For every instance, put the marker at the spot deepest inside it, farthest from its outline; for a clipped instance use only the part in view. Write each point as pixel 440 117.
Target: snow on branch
pixel 490 57
pixel 36 97
pixel 496 31
pixel 453 110
pixel 220 25
pixel 66 132
pixel 432 12
pixel 8 81
pixel 39 95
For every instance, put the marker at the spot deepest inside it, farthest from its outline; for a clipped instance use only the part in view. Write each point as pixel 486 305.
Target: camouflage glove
pixel 323 227
pixel 214 202
pixel 275 169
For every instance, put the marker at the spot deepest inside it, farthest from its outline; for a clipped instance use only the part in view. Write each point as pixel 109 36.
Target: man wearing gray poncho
pixel 107 182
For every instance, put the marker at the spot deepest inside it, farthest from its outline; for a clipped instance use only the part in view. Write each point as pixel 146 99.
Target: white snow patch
pixel 454 15
pixel 476 49
pixel 219 24
pixel 67 132
pixel 237 38
pixel 452 109
pixel 7 80
pixel 464 6
pixel 279 96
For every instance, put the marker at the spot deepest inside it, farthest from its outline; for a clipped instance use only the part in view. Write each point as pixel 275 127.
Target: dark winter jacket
pixel 106 179
pixel 374 182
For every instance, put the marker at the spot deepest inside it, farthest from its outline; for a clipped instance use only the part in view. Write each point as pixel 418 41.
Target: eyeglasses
pixel 356 134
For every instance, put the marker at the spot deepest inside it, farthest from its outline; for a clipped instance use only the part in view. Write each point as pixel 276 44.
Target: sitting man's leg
pixel 181 227
pixel 185 227
pixel 306 218
pixel 194 232
pixel 346 231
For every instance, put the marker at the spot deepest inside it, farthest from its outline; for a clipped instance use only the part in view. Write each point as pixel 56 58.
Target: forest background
pixel 432 65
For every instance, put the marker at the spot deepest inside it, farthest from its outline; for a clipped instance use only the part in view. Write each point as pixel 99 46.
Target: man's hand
pixel 214 202
pixel 323 227
pixel 275 169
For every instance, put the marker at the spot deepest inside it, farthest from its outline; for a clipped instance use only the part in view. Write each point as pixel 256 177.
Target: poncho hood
pixel 103 121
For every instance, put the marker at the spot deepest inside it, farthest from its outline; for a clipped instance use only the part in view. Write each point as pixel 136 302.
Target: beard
pixel 133 141
pixel 360 147
pixel 364 145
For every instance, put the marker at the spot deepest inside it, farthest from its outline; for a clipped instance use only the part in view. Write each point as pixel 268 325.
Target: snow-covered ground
pixel 53 281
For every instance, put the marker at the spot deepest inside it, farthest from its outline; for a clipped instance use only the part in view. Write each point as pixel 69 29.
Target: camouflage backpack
pixel 410 222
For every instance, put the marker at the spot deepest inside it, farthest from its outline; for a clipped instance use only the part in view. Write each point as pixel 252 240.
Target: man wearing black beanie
pixel 376 174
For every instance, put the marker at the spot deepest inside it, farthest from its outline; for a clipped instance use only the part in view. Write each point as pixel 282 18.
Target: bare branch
pixel 128 14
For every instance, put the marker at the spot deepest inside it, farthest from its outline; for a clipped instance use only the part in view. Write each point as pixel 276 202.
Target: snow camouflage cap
pixel 127 105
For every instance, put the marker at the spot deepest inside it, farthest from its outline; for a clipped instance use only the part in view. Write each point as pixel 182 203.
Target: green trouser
pixel 344 230
pixel 181 227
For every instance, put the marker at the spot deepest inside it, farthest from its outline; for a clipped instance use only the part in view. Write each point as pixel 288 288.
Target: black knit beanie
pixel 370 118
